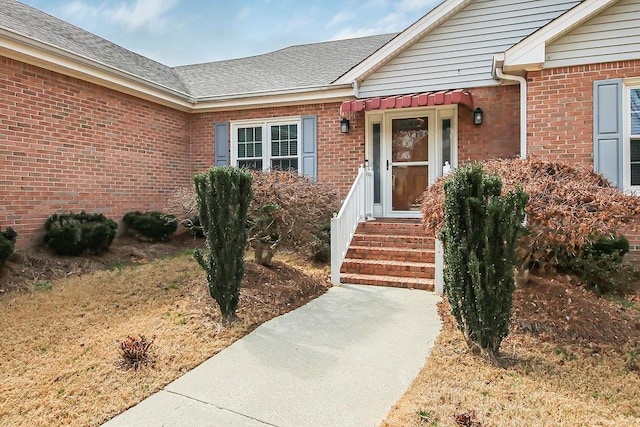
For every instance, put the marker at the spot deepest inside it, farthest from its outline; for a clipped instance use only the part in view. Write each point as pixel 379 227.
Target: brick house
pixel 86 124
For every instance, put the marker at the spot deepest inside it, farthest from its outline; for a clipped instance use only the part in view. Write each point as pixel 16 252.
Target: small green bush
pixel 601 265
pixel 321 244
pixel 7 244
pixel 74 233
pixel 154 226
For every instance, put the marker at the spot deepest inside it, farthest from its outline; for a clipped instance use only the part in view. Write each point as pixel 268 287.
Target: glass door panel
pixel 409 182
pixel 409 162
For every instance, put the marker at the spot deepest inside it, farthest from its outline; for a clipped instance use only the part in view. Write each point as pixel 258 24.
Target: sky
pixel 181 32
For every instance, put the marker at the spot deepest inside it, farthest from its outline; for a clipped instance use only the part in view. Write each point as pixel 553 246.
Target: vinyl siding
pixel 458 53
pixel 614 35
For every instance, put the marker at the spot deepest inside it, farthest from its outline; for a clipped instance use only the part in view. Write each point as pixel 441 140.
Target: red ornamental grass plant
pixel 569 207
pixel 136 352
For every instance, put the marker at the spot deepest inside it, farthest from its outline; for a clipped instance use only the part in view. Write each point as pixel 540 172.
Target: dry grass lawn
pixel 59 357
pixel 571 359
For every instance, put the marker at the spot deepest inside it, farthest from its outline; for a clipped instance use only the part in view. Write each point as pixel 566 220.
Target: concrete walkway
pixel 341 360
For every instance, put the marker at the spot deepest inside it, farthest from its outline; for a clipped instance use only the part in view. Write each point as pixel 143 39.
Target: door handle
pixel 387 164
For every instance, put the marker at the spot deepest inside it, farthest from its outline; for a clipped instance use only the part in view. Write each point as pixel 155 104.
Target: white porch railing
pixel 357 207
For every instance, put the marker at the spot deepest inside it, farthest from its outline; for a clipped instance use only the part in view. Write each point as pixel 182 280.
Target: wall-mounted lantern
pixel 344 125
pixel 477 116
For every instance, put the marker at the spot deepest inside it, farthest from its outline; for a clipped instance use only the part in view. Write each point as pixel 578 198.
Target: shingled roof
pixel 35 24
pixel 292 68
pixel 308 65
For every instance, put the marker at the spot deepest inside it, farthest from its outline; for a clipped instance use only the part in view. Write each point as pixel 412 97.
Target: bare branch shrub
pixel 287 210
pixel 136 351
pixel 182 203
pixel 569 208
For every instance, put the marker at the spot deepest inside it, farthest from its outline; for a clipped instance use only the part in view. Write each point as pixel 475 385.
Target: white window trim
pixel 626 143
pixel 266 136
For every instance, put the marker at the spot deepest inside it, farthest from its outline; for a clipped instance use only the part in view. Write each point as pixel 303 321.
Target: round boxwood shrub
pixel 7 244
pixel 154 226
pixel 74 233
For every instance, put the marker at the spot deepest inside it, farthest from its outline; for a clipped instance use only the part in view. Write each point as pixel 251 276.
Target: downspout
pixel 523 108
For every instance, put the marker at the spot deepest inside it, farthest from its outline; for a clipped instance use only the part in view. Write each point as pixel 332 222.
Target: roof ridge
pixel 240 58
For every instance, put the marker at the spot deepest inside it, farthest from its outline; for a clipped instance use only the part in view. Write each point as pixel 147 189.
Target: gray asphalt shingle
pixel 45 28
pixel 292 67
pixel 286 69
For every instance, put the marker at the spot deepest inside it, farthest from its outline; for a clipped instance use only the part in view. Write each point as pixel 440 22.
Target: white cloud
pixel 350 33
pixel 401 14
pixel 341 17
pixel 79 11
pixel 394 21
pixel 375 4
pixel 132 15
pixel 141 14
pixel 243 13
pixel 416 5
pixel 297 22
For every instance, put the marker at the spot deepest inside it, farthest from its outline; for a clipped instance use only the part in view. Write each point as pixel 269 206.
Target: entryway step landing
pixel 391 252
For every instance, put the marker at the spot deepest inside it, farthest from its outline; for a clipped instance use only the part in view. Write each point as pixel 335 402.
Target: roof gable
pixel 458 53
pixel 530 53
pixel 403 40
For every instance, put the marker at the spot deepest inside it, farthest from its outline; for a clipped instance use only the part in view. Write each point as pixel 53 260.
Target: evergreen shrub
pixel 479 237
pixel 224 195
pixel 601 265
pixel 154 226
pixel 74 233
pixel 7 244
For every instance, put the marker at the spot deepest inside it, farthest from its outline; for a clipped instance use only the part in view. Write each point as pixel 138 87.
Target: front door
pixel 407 165
pixel 408 151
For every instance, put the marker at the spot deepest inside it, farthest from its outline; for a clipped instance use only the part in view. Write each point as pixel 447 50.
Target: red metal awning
pixel 427 99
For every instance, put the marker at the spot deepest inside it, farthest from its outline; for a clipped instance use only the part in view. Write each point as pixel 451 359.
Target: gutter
pixel 273 92
pixel 523 107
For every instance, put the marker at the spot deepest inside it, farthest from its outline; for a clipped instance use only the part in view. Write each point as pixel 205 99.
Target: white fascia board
pixel 403 40
pixel 275 99
pixel 51 58
pixel 529 54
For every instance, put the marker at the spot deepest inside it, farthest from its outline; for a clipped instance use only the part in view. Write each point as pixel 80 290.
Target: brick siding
pixel 68 145
pixel 560 113
pixel 499 134
pixel 339 155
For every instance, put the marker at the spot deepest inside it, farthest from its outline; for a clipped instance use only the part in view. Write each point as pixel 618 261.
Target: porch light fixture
pixel 477 116
pixel 344 125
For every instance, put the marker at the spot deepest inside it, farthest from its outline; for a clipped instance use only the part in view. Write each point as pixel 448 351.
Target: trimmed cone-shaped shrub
pixel 479 237
pixel 7 244
pixel 74 233
pixel 224 195
pixel 154 226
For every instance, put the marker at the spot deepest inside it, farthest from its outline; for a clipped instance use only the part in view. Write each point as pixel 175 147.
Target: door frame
pixel 435 116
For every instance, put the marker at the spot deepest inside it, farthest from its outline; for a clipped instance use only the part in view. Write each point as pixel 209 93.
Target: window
pixel 634 137
pixel 266 144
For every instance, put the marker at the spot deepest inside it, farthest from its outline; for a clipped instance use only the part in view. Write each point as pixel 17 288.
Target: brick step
pixel 395 282
pixel 392 228
pixel 391 254
pixel 396 241
pixel 422 270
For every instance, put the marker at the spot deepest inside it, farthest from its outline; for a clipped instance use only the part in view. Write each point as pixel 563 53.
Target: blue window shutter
pixel 221 144
pixel 607 129
pixel 310 147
